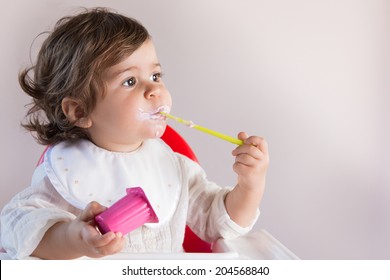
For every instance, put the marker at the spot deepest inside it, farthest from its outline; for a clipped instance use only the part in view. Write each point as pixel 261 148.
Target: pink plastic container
pixel 127 214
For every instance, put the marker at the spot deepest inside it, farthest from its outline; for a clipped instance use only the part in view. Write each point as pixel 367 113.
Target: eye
pixel 130 82
pixel 156 77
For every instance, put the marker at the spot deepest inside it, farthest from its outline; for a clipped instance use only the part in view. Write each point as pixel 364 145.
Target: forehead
pixel 142 58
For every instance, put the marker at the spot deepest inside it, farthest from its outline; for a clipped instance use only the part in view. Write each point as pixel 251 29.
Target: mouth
pixel 155 114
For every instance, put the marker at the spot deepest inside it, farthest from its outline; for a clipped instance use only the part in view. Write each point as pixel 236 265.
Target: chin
pixel 158 130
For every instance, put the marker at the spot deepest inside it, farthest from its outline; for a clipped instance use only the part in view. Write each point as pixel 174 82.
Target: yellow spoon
pixel 204 129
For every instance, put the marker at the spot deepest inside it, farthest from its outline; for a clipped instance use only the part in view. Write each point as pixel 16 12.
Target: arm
pixel 76 238
pixel 251 166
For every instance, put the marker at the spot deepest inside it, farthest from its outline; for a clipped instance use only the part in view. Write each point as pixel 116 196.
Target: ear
pixel 75 112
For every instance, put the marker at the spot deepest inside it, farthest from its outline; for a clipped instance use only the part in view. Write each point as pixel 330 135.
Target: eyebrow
pixel 120 71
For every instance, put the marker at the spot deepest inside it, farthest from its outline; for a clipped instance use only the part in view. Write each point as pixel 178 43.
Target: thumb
pixel 242 136
pixel 91 210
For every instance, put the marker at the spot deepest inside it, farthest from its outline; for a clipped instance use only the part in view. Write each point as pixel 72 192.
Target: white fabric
pixel 77 186
pixel 73 175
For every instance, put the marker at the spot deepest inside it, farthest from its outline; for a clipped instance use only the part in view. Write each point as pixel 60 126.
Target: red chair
pixel 192 243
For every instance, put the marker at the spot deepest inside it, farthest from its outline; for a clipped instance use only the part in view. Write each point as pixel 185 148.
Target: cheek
pixel 169 98
pixel 128 111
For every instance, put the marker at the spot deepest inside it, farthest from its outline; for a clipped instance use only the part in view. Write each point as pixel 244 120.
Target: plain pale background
pixel 312 77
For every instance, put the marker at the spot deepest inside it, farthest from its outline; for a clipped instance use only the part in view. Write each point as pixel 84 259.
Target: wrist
pixel 251 186
pixel 73 238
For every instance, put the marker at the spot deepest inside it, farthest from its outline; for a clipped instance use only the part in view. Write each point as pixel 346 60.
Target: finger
pixel 253 140
pixel 250 150
pixel 252 146
pixel 246 160
pixel 242 136
pixel 112 247
pixel 101 240
pixel 258 142
pixel 91 210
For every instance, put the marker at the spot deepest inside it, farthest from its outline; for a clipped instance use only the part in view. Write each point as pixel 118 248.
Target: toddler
pixel 97 94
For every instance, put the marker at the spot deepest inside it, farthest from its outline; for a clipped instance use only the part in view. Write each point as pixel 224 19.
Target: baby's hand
pixel 251 162
pixel 90 241
pixel 251 166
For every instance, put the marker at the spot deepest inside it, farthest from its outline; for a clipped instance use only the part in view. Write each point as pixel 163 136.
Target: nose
pixel 152 91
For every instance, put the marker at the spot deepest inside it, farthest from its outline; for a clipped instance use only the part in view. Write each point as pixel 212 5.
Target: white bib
pixel 81 172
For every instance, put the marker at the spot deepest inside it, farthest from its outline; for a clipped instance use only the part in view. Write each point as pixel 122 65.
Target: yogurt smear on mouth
pixel 153 115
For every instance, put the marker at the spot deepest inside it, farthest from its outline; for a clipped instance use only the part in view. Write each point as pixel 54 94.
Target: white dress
pixel 76 173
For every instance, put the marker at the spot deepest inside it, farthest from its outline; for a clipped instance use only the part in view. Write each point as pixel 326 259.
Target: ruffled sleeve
pixel 207 215
pixel 26 218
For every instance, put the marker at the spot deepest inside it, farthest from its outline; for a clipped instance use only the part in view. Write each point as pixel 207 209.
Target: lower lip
pixel 157 117
pixel 154 115
pixel 145 116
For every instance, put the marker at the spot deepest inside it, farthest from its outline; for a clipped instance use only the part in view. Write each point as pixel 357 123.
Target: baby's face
pixel 129 112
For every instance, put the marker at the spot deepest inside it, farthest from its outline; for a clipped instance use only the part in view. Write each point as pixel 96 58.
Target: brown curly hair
pixel 70 63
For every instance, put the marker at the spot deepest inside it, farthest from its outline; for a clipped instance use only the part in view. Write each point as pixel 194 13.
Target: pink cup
pixel 127 214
